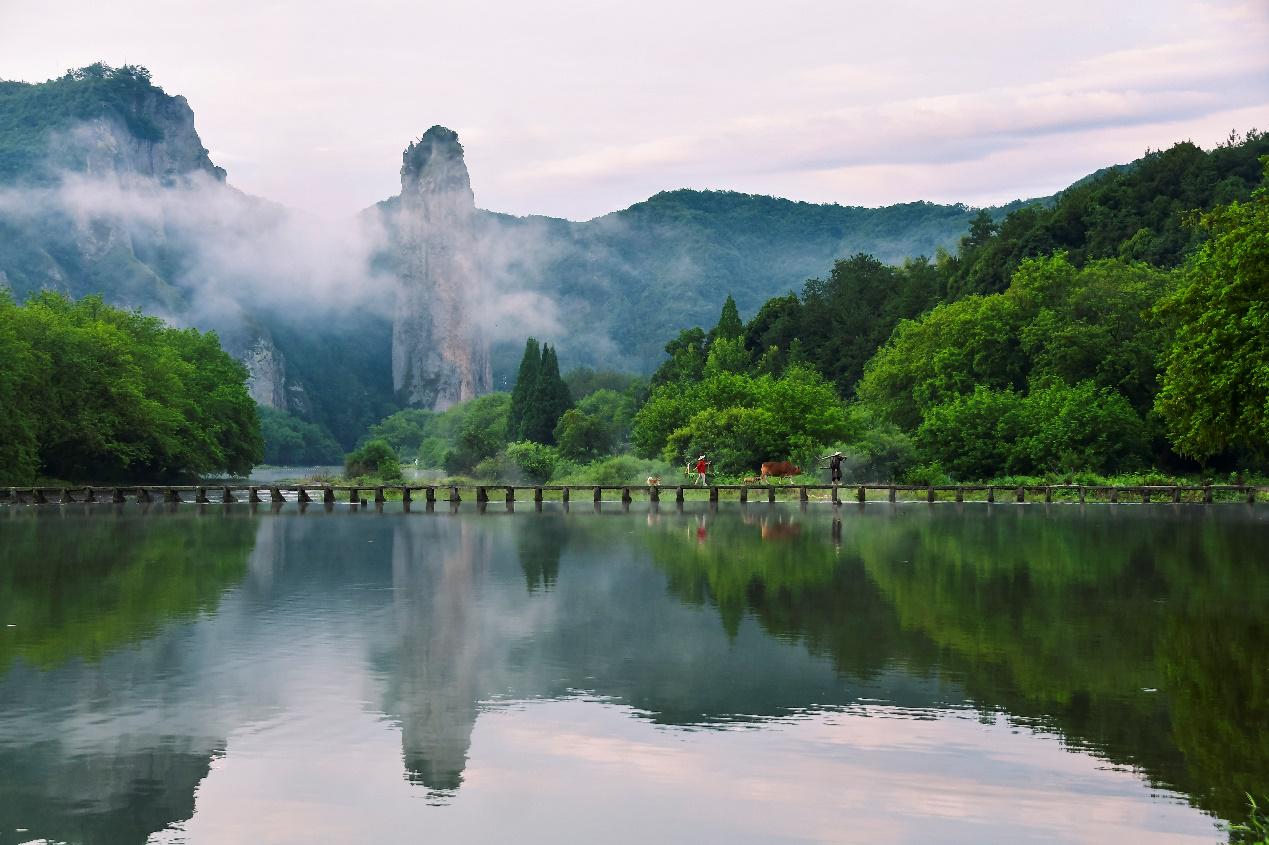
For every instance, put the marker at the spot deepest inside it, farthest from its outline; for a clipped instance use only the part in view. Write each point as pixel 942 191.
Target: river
pixel 762 674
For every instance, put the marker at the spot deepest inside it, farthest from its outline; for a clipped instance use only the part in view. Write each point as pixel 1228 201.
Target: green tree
pixel 1215 393
pixel 582 437
pixel 376 458
pixel 526 381
pixel 727 355
pixel 547 402
pixel 474 431
pixel 686 358
pixel 291 440
pixel 729 325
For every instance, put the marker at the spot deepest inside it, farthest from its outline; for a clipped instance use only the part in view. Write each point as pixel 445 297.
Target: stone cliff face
pixel 440 355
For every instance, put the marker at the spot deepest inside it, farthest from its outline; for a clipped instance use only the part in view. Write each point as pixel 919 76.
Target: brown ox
pixel 779 469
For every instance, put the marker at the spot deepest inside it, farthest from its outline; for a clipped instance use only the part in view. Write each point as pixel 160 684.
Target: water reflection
pixel 153 645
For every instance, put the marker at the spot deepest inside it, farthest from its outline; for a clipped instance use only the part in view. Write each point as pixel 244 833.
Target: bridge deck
pixel 328 493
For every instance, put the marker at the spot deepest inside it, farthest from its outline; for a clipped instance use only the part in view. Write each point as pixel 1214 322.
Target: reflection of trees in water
pixel 540 542
pixel 1137 634
pixel 87 586
pixel 115 578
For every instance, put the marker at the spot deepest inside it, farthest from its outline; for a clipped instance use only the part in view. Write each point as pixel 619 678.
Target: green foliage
pixel 1055 427
pixel 474 431
pixel 582 436
pixel 727 355
pixel 406 431
pixel 741 420
pixel 1216 372
pixel 290 440
pixel 1093 324
pixel 1255 830
pixel 1134 213
pixel 729 325
pixel 376 458
pixel 583 381
pixel 687 358
pixel 547 401
pixel 104 394
pixel 840 321
pixel 617 469
pixel 526 382
pixel 534 461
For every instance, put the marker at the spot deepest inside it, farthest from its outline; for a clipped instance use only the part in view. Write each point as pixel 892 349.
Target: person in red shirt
pixel 702 466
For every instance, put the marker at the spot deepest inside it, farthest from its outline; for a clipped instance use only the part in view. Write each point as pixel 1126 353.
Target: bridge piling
pixel 201 496
pixel 275 495
pixel 744 495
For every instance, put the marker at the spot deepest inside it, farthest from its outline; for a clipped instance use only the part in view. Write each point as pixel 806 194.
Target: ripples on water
pixel 762 674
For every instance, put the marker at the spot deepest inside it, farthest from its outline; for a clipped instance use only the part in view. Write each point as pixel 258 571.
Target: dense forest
pixel 1119 330
pixel 94 393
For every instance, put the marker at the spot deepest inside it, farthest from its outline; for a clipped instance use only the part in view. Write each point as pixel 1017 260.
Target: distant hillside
pixel 628 281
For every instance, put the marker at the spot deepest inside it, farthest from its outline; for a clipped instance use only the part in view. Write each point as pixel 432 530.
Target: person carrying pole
pixel 702 466
pixel 835 467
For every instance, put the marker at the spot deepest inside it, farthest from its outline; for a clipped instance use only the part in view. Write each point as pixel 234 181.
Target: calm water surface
pixel 910 673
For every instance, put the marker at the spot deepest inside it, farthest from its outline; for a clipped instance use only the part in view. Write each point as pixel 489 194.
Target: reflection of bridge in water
pixel 538 494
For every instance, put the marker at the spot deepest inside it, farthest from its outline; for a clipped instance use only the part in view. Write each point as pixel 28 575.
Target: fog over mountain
pixel 424 300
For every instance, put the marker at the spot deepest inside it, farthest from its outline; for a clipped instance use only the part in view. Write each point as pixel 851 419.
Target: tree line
pixel 95 393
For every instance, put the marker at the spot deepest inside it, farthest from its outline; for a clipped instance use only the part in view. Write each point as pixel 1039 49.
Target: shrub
pixel 375 458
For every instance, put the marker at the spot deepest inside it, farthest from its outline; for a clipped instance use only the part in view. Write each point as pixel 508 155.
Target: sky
pixel 575 109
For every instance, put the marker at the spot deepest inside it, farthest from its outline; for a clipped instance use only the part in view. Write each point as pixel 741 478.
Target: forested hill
pixel 627 281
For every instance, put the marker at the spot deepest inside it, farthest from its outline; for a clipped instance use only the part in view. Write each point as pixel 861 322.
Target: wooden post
pixel 744 495
pixel 429 494
pixel 564 495
pixel 1251 495
pixel 654 493
pixel 275 495
pixel 770 495
pixel 713 495
pixel 1207 494
pixel 379 497
pixel 90 495
pixel 1081 494
pixel 482 495
pixel 304 497
pixel 226 497
pixel 861 495
pixel 353 497
pixel 143 495
pixel 835 495
pixel 598 493
pixel 960 492
pixel 1048 495
pixel 453 494
pixel 1176 494
pixel 1145 495
pixel 678 495
pixel 170 495
pixel 116 495
pixel 1114 495
pixel 991 495
pixel 511 497
pixel 65 498
pixel 892 492
pixel 804 496
pixel 537 495
pixel 625 495
pixel 201 496
pixel 1022 494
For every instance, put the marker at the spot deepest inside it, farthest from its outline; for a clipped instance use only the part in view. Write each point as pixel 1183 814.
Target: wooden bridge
pixel 484 493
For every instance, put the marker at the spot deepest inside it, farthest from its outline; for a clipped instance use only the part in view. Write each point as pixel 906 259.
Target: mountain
pixel 106 188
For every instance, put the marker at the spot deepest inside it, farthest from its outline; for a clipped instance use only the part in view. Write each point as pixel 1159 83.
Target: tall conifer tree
pixel 729 325
pixel 547 402
pixel 526 379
